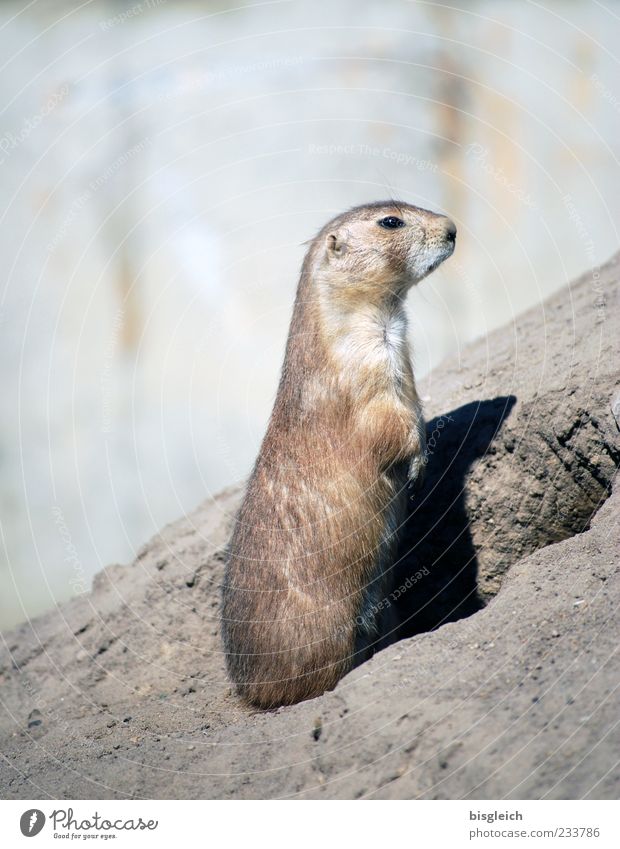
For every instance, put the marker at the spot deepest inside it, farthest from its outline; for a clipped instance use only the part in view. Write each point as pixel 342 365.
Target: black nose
pixel 451 232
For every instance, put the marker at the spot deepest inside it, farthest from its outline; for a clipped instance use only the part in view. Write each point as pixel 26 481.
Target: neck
pixel 366 339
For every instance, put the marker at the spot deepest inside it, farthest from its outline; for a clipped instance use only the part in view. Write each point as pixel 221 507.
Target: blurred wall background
pixel 161 165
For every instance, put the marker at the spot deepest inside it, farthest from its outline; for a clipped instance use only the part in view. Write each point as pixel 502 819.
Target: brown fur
pixel 312 540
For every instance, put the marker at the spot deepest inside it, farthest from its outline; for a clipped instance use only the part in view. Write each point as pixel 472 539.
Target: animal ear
pixel 335 245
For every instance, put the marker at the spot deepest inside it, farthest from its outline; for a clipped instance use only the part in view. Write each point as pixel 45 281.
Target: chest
pixel 380 339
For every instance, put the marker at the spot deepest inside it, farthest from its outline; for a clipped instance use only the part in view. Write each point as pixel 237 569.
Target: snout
pixel 450 231
pixel 439 243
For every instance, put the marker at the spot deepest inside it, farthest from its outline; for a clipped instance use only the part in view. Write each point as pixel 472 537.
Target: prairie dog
pixel 313 539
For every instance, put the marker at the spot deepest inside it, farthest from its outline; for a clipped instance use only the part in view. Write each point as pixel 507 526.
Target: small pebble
pixel 35 719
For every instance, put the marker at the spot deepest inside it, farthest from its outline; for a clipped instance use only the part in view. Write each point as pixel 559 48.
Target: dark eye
pixel 391 222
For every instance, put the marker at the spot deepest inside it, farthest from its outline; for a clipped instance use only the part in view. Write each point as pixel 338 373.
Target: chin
pixel 420 271
pixel 436 262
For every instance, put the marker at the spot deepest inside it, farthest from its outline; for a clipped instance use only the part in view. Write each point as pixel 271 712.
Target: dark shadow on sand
pixel 434 578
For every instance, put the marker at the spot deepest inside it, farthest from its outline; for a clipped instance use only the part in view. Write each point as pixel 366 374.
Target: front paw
pixel 416 472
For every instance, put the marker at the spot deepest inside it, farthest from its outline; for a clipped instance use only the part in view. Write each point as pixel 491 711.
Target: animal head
pixel 382 248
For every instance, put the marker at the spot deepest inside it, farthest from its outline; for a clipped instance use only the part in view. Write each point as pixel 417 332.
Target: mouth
pixel 424 262
pixel 446 251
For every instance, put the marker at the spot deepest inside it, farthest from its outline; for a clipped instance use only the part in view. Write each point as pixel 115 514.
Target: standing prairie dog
pixel 307 561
